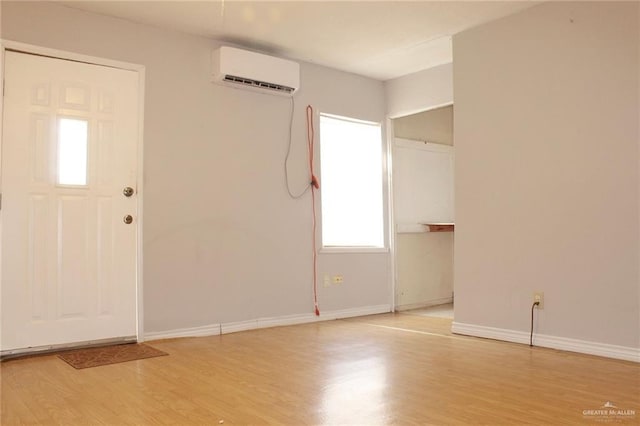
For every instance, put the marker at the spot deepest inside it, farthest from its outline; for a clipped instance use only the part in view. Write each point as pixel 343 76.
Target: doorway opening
pixel 424 222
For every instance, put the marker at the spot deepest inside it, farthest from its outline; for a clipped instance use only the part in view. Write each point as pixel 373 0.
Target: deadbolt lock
pixel 127 191
pixel 128 219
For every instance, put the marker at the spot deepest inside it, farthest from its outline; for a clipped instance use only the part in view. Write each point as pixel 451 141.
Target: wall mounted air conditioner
pixel 250 70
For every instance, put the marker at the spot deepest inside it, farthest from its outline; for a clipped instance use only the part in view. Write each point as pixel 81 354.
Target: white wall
pixel 546 135
pixel 222 240
pixel 420 91
pixel 424 269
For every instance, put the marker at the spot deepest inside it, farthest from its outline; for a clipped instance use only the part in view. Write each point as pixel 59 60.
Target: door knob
pixel 127 191
pixel 128 219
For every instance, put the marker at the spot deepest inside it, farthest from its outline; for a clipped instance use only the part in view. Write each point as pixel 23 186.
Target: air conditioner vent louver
pixel 258 84
pixel 255 71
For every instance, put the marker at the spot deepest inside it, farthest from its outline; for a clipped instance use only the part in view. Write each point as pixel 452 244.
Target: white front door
pixel 69 148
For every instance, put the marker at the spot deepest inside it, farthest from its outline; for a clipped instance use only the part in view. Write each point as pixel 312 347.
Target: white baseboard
pixel 233 327
pixel 356 312
pixel 546 341
pixel 424 304
pixel 206 330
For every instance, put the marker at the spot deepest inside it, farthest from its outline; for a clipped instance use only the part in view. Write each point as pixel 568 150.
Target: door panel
pixel 69 148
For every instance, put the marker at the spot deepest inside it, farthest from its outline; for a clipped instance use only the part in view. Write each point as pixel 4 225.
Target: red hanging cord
pixel 314 185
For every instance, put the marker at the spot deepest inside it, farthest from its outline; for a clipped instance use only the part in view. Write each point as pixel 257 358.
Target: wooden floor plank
pixel 384 369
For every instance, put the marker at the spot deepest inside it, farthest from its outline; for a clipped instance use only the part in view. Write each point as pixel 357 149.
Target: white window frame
pixel 385 192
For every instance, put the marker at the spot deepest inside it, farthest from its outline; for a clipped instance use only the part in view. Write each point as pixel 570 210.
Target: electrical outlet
pixel 326 280
pixel 538 296
pixel 337 279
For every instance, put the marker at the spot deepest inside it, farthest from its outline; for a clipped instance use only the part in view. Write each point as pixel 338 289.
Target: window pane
pixel 351 167
pixel 72 151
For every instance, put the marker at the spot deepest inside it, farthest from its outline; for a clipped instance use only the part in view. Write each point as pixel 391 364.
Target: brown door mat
pixel 104 355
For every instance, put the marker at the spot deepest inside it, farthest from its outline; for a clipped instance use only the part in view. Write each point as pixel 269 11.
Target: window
pixel 72 151
pixel 351 172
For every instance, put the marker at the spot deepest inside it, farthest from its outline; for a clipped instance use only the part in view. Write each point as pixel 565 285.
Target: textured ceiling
pixel 380 39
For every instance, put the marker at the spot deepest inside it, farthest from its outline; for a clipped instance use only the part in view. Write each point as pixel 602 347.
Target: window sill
pixel 353 250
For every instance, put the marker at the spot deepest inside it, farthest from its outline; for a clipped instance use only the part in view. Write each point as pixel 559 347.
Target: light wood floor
pixel 383 369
